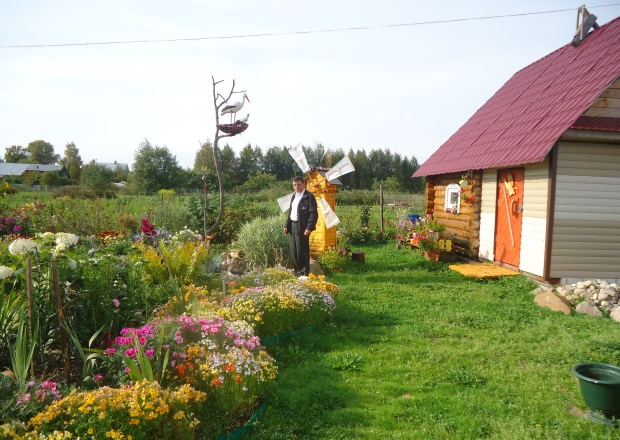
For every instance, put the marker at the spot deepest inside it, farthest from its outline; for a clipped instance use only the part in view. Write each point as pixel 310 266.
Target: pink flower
pixel 116 302
pixel 110 351
pixel 25 398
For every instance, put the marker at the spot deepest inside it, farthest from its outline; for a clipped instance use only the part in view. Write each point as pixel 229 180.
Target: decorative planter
pixel 432 255
pixel 285 337
pixel 600 388
pixel 239 433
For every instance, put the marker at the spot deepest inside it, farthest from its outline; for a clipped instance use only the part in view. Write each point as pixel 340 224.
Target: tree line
pixel 155 168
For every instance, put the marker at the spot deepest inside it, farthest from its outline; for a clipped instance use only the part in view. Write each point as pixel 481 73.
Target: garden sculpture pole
pixel 30 308
pixel 216 150
pixel 60 313
pixel 205 189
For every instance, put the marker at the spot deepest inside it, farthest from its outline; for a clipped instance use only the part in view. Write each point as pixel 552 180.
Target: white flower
pixel 66 239
pixel 5 272
pixel 22 246
pixel 47 236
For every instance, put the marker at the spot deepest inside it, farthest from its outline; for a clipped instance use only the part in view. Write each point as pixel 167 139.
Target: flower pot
pixel 600 388
pixel 413 217
pixel 432 255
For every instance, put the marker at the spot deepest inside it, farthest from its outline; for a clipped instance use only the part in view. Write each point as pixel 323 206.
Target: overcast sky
pixel 390 83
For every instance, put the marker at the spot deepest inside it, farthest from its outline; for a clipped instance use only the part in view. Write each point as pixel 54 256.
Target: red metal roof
pixel 527 115
pixel 596 123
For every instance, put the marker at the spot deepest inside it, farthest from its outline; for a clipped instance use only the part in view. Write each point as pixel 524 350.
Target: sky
pixel 361 75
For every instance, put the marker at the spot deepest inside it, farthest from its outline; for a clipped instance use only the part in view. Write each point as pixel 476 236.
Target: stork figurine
pixel 234 108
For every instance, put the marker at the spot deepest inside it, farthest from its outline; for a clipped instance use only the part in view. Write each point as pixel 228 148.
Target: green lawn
pixel 416 351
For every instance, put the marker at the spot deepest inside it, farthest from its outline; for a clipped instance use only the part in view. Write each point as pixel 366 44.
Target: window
pixel 453 198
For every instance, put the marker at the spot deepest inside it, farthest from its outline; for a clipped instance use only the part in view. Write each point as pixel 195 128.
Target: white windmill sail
pixel 344 166
pixel 330 217
pixel 285 201
pixel 297 153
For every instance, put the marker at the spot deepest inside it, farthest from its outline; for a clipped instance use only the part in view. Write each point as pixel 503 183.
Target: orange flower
pixel 229 368
pixel 239 378
pixel 216 382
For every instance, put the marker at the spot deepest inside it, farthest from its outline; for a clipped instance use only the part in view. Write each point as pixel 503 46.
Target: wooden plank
pixel 607 103
pixel 604 112
pixel 611 93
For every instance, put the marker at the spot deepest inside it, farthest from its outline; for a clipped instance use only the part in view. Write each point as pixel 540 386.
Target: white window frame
pixel 453 204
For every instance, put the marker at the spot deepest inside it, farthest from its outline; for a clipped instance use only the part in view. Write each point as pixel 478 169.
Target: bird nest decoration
pixel 236 128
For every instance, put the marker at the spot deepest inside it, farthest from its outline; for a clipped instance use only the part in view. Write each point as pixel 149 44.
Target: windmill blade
pixel 298 154
pixel 285 201
pixel 344 166
pixel 330 217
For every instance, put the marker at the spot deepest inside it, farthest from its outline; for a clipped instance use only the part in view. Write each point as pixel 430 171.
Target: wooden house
pixel 539 168
pixel 323 237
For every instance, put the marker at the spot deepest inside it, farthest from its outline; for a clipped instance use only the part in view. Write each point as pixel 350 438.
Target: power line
pixel 316 31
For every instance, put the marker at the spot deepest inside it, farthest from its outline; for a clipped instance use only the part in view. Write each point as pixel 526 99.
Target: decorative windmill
pixel 323 183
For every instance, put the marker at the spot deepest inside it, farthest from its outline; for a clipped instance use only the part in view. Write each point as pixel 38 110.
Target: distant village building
pixel 19 169
pixel 114 166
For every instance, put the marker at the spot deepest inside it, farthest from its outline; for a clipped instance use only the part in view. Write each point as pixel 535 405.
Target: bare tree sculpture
pixel 216 152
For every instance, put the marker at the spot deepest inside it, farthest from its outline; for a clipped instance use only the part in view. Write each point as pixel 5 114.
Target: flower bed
pixel 195 369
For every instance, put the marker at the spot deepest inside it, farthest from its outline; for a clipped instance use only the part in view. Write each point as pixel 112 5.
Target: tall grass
pixel 417 351
pixel 263 242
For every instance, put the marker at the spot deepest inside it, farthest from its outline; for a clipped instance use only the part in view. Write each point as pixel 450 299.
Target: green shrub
pixel 238 210
pixel 333 260
pixel 358 197
pixel 263 242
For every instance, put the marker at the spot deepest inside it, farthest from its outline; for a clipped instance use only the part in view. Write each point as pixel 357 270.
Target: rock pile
pixel 594 298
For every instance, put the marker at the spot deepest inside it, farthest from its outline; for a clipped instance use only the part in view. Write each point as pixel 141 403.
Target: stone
pixel 587 283
pixel 603 296
pixel 537 291
pixel 579 291
pixel 604 303
pixel 553 301
pixel 315 268
pixel 589 309
pixel 615 314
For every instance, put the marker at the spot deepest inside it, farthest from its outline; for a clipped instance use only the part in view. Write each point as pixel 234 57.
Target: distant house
pixel 532 180
pixel 19 169
pixel 115 166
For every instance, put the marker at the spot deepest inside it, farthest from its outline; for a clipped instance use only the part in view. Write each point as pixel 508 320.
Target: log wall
pixel 464 226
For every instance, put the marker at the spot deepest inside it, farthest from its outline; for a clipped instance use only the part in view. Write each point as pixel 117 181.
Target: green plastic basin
pixel 600 387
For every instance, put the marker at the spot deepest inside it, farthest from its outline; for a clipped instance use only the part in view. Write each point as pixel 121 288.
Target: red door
pixel 508 216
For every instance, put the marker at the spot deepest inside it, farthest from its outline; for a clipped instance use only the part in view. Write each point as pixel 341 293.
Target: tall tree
pixel 362 177
pixel 204 157
pixel 42 152
pixel 229 163
pixel 278 161
pixel 72 162
pixel 250 160
pixel 97 177
pixel 155 168
pixel 315 155
pixel 15 154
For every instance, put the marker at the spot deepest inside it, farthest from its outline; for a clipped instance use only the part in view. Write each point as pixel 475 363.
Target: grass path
pixel 416 351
